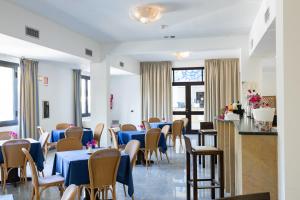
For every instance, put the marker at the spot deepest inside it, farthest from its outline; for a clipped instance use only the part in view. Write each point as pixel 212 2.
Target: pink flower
pixel 91 143
pixel 13 134
pixel 142 126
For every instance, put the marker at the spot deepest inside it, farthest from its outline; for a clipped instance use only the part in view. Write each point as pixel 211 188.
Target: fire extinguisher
pixel 111 101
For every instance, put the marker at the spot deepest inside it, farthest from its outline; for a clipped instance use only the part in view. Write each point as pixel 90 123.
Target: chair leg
pixel 106 193
pixel 4 179
pixel 92 195
pixel 124 190
pixel 32 194
pixel 195 177
pixel 203 144
pixel 146 158
pixel 167 157
pixel 132 197
pixel 180 141
pixel 79 192
pixel 212 174
pixel 160 155
pixel 114 196
pixel 156 157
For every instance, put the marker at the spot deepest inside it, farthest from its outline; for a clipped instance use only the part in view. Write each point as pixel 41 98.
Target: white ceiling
pixel 109 21
pixel 200 55
pixel 19 48
pixel 115 71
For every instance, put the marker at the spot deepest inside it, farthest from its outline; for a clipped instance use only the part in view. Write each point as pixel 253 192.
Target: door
pixel 188 96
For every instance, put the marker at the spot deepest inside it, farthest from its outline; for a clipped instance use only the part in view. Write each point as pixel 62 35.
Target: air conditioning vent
pixel 267 15
pixel 252 43
pixel 88 52
pixel 32 32
pixel 121 64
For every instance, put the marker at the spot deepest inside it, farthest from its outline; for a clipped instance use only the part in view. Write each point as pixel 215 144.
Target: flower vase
pixel 249 111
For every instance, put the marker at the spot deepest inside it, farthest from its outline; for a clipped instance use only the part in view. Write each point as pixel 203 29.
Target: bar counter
pixel 250 157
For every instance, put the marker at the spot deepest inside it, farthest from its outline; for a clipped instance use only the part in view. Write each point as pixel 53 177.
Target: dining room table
pixel 125 136
pixel 160 124
pixel 87 136
pixel 73 166
pixel 36 153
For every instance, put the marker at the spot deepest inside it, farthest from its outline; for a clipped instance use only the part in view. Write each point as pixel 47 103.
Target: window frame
pixel 189 82
pixel 86 79
pixel 14 66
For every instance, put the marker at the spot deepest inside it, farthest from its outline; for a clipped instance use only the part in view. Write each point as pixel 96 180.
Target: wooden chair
pixel 258 196
pixel 74 132
pixel 98 132
pixel 4 135
pixel 44 137
pixel 70 193
pixel 62 126
pixel 177 132
pixel 151 144
pixel 195 152
pixel 153 119
pixel 14 158
pixel 206 129
pixel 132 148
pixel 185 123
pixel 68 144
pixel 42 182
pixel 165 130
pixel 114 139
pixel 128 127
pixel 48 145
pixel 103 167
pixel 146 125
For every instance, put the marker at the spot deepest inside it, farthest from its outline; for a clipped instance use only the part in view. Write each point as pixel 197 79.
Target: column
pixel 288 97
pixel 100 113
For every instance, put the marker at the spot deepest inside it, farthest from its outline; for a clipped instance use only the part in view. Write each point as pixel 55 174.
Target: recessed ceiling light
pixel 182 54
pixel 146 13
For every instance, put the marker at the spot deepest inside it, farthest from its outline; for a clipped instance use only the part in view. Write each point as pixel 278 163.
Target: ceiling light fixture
pixel 182 54
pixel 146 13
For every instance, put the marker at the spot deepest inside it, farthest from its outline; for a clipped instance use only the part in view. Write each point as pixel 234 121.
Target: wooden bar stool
pixel 206 128
pixel 201 151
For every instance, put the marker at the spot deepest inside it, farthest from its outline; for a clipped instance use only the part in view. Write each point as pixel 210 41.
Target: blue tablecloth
pixel 35 152
pixel 73 166
pixel 125 136
pixel 59 134
pixel 160 124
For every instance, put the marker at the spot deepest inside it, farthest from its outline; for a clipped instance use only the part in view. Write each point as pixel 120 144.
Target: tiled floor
pixel 160 182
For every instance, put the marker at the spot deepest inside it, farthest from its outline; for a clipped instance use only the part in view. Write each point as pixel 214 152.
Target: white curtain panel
pixel 222 85
pixel 29 107
pixel 156 90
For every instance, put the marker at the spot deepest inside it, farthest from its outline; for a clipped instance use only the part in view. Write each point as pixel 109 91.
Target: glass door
pixel 188 96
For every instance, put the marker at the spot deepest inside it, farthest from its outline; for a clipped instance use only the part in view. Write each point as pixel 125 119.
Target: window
pixel 9 93
pixel 85 96
pixel 188 75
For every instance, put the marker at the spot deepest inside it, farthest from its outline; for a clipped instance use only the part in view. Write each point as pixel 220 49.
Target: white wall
pixel 52 35
pixel 188 63
pixel 59 93
pixel 130 64
pixel 127 97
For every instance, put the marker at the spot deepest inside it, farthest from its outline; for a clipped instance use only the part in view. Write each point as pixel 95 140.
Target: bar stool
pixel 201 151
pixel 206 128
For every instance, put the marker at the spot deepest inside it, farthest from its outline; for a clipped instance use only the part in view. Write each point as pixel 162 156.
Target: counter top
pixel 246 126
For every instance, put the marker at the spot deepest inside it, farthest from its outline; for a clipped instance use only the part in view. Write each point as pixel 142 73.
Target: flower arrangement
pixel 142 127
pixel 13 134
pixel 254 99
pixel 91 144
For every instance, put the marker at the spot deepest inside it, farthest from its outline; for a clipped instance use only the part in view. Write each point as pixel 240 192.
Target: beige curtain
pixel 222 85
pixel 29 112
pixel 156 89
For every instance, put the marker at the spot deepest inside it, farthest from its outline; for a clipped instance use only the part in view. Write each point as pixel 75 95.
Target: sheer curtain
pixel 29 106
pixel 77 97
pixel 222 85
pixel 156 89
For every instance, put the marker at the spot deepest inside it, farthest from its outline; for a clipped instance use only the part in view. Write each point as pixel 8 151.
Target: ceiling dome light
pixel 182 54
pixel 146 13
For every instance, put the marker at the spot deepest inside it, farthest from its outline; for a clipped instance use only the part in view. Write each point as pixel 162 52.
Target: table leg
pixel 212 175
pixel 199 144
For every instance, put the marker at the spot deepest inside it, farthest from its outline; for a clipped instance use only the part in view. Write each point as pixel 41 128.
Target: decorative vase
pixel 249 110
